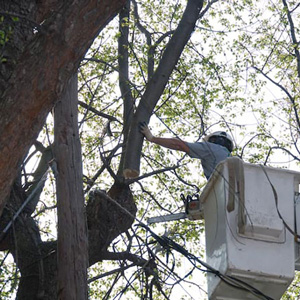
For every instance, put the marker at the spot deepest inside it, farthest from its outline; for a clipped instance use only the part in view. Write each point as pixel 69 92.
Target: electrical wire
pixel 296 236
pixel 21 208
pixel 169 244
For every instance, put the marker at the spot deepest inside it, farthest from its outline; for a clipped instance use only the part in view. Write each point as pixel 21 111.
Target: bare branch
pixel 153 198
pixel 130 181
pixel 143 29
pixel 122 269
pixel 291 98
pixel 103 167
pixel 97 112
pixel 207 7
pixel 252 138
pixel 283 149
pixel 137 260
pixel 293 35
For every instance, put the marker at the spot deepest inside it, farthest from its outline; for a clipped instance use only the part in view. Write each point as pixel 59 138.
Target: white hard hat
pixel 221 134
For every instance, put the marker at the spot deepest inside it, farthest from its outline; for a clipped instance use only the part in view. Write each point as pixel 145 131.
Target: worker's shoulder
pixel 193 145
pixel 200 149
pixel 204 148
pixel 205 145
pixel 217 149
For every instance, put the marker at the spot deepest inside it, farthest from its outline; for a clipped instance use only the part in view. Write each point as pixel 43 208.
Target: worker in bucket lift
pixel 214 148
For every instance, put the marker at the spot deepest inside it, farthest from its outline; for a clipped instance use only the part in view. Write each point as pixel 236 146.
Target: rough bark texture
pixel 35 75
pixel 106 220
pixel 72 242
pixel 157 84
pixel 37 260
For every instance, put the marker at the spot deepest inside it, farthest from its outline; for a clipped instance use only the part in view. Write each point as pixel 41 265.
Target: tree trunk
pixel 72 242
pixel 36 77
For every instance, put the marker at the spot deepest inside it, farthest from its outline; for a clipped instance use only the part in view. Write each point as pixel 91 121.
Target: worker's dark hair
pixel 223 141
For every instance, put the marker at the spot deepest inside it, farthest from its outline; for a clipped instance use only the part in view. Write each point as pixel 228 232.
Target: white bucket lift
pixel 248 210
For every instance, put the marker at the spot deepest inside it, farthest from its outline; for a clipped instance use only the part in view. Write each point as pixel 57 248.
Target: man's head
pixel 221 138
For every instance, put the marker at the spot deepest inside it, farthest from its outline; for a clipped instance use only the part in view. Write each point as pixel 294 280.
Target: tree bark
pixel 125 87
pixel 38 76
pixel 72 246
pixel 157 84
pixel 36 260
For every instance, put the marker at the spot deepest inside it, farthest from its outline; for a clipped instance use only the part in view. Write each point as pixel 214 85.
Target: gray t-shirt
pixel 209 153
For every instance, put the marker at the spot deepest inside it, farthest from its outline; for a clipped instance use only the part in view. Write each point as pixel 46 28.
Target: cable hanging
pixel 21 208
pixel 169 244
pixel 296 236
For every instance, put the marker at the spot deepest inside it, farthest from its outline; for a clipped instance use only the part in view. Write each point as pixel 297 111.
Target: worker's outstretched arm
pixel 171 143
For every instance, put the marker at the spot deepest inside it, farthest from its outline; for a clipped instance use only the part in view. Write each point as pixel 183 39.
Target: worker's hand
pixel 144 129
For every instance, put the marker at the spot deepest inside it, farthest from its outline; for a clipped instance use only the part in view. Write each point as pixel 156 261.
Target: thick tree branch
pixel 124 83
pixel 157 84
